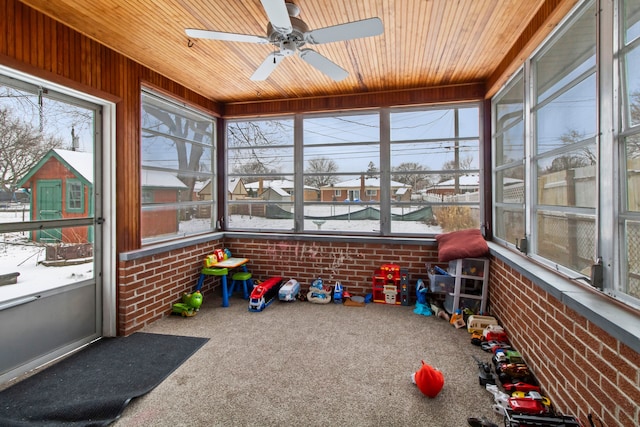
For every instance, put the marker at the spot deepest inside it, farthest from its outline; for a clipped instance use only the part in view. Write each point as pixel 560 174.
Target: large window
pixel 562 179
pixel 564 146
pixel 391 171
pixel 508 162
pixel 260 184
pixel 178 170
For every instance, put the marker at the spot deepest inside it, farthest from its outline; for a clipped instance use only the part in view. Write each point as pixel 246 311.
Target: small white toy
pixel 289 291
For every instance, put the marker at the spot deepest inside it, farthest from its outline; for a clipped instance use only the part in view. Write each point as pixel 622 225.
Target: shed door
pixel 49 206
pixel 52 303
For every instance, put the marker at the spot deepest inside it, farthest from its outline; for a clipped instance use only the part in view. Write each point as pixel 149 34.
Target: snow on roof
pixel 280 191
pixel 266 183
pixel 81 162
pixel 368 182
pixel 464 181
pixel 151 178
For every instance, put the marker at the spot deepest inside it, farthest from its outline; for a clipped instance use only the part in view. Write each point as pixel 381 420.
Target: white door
pixel 50 264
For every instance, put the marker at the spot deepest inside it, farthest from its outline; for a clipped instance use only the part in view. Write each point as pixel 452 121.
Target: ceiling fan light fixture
pixel 289 33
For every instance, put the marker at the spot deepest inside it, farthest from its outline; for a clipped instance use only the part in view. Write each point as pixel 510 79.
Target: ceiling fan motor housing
pixel 288 43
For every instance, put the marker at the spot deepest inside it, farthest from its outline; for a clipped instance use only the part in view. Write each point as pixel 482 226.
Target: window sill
pixel 602 310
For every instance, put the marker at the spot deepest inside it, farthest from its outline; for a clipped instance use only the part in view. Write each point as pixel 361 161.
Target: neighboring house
pixel 466 184
pixel 236 189
pixel 159 186
pixel 61 186
pixel 259 189
pixel 363 190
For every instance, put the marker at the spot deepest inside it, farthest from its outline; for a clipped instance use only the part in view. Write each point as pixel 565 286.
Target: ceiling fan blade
pixel 349 31
pixel 278 15
pixel 323 64
pixel 230 37
pixel 267 66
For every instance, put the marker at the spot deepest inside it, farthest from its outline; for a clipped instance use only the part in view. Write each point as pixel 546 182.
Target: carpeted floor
pixel 310 364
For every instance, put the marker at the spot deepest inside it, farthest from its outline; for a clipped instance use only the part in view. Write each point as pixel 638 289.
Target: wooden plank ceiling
pixel 425 43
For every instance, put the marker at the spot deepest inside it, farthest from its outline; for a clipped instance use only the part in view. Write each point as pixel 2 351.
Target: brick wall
pixel 581 368
pixel 352 264
pixel 147 287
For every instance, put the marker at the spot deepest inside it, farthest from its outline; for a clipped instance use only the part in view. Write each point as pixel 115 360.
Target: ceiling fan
pixel 289 34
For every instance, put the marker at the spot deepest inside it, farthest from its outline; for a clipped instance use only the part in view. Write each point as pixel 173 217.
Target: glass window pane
pixel 633 173
pixel 260 215
pixel 260 187
pixel 632 87
pixel 510 105
pixel 632 246
pixel 510 144
pixel 163 221
pixel 415 219
pixel 509 185
pixel 632 20
pixel 509 223
pixel 566 239
pixel 568 57
pixel 341 129
pixel 178 171
pixel 569 118
pixel 434 124
pixel 342 215
pixel 341 158
pixel 455 217
pixel 568 179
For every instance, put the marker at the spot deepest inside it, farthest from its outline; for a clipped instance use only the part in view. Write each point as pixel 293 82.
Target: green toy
pixel 190 304
pixel 193 300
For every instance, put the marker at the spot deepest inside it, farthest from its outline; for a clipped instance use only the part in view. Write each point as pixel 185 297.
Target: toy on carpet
pixel 318 293
pixel 289 291
pixel 337 293
pixel 264 294
pixel 190 304
pixel 428 379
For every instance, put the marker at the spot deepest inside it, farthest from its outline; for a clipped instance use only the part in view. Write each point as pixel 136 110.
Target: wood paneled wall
pixel 431 95
pixel 37 45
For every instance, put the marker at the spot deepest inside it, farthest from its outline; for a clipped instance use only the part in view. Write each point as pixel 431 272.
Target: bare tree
pixel 21 147
pixel 321 165
pixel 372 170
pixel 252 140
pixel 405 173
pixel 586 156
pixel 188 155
pixel 463 165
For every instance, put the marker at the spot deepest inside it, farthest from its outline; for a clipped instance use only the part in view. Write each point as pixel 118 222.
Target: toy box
pixel 477 324
pixel 470 303
pixel 441 283
pixel 470 267
pixel 386 285
pixel 289 291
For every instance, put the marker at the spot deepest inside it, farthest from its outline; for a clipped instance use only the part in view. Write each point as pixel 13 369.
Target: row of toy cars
pixel 520 401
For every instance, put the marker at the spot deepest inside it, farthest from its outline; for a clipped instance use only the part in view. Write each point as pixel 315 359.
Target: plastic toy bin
pixel 470 267
pixel 441 283
pixel 470 303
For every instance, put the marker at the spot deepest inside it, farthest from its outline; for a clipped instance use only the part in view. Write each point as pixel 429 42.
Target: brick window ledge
pixel 597 307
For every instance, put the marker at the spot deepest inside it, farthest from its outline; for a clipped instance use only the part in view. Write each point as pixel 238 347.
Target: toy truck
pixel 289 291
pixel 264 294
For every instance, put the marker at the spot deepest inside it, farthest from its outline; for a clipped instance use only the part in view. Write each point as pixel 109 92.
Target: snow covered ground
pixel 18 254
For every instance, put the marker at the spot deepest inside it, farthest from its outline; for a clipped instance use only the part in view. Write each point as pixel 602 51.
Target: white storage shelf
pixel 470 275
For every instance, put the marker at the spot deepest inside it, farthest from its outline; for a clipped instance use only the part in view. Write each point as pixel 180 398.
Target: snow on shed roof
pixel 161 179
